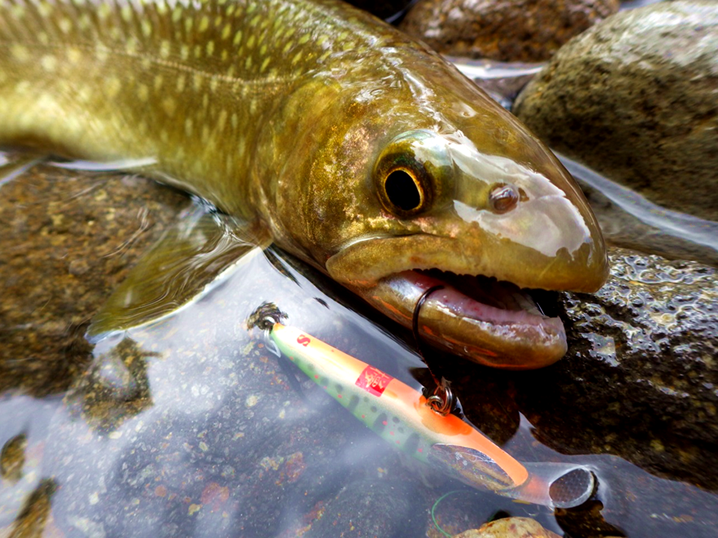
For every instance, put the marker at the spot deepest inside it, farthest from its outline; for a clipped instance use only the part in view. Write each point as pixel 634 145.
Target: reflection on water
pixel 192 427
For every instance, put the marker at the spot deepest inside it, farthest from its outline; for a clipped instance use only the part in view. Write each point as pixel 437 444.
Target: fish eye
pixel 412 173
pixel 403 191
pixel 503 198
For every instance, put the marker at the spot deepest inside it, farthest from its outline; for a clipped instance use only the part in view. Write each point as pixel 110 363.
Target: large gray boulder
pixel 636 98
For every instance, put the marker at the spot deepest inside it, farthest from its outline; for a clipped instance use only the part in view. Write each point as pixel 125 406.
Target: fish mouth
pixel 492 322
pixel 484 318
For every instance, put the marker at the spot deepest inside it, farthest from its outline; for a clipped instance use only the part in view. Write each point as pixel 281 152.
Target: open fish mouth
pixel 485 311
pixel 489 321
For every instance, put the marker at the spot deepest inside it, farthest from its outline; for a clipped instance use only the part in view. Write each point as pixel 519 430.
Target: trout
pixel 354 147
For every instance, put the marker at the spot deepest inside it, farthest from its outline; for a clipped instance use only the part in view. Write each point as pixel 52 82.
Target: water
pixel 191 427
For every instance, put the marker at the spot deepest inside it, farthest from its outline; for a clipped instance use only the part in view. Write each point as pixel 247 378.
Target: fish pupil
pixel 402 190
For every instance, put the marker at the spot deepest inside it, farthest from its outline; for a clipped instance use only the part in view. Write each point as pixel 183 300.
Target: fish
pixel 403 417
pixel 325 131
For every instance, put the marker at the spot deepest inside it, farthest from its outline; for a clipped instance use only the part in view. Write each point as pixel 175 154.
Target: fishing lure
pixel 405 418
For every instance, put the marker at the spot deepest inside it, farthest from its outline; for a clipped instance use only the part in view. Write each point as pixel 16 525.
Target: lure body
pixel 398 413
pixel 402 417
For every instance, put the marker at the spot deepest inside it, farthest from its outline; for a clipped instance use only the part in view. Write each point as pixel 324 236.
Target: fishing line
pixel 433 509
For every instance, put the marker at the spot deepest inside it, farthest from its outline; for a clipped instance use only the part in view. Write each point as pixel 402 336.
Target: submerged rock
pixel 510 527
pixel 69 240
pixel 511 31
pixel 641 377
pixel 636 98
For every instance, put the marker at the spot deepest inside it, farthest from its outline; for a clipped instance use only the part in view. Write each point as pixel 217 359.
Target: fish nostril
pixel 503 198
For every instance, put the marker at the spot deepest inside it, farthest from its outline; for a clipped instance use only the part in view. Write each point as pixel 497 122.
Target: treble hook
pixel 442 400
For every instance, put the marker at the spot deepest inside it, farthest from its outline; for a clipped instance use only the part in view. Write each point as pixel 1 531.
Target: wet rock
pixel 640 379
pixel 510 527
pixel 516 31
pixel 85 236
pixel 636 98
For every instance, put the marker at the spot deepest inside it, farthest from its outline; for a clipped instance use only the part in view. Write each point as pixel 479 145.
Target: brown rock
pixel 510 527
pixel 516 30
pixel 636 99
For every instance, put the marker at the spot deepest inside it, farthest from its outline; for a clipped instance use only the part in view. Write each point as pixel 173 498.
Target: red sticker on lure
pixel 373 381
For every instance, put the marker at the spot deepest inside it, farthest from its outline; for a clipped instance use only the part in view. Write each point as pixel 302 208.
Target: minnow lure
pixel 403 417
pixel 330 133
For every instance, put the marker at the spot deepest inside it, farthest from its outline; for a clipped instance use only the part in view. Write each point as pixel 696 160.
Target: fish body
pixel 350 145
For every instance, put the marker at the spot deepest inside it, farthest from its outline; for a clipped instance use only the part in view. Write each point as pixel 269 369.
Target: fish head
pixel 468 199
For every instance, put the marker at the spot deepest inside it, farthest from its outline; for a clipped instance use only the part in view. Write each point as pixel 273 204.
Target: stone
pixel 636 99
pixel 640 379
pixel 510 31
pixel 510 527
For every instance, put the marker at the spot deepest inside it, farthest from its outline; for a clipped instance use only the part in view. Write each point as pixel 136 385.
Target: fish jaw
pixel 450 319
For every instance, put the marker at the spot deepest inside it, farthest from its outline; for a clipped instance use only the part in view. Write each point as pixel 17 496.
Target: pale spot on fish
pixel 132 45
pixel 74 55
pixel 176 14
pixel 146 63
pixel 225 55
pixel 226 31
pixel 250 41
pixel 205 134
pixel 265 63
pixel 44 9
pixel 197 51
pixel 237 38
pixel 213 84
pixel 197 81
pixel 48 63
pixel 126 13
pixel 84 95
pixel 188 126
pixel 297 57
pixel 222 120
pixel 17 12
pixel 157 83
pixel 143 92
pixel 20 52
pixel 210 48
pixel 146 28
pixel 203 24
pixel 169 105
pixel 184 51
pixel 181 81
pixel 165 49
pixel 84 22
pixel 248 63
pixel 112 87
pixel 103 11
pixel 235 120
pixel 43 38
pixel 164 136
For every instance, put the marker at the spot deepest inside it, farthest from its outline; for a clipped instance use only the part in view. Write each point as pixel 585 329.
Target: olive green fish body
pixel 356 148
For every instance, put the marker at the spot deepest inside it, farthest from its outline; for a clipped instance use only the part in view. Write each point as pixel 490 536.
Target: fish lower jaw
pixel 497 324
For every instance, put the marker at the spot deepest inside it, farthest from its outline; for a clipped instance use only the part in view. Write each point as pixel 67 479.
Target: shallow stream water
pixel 190 427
